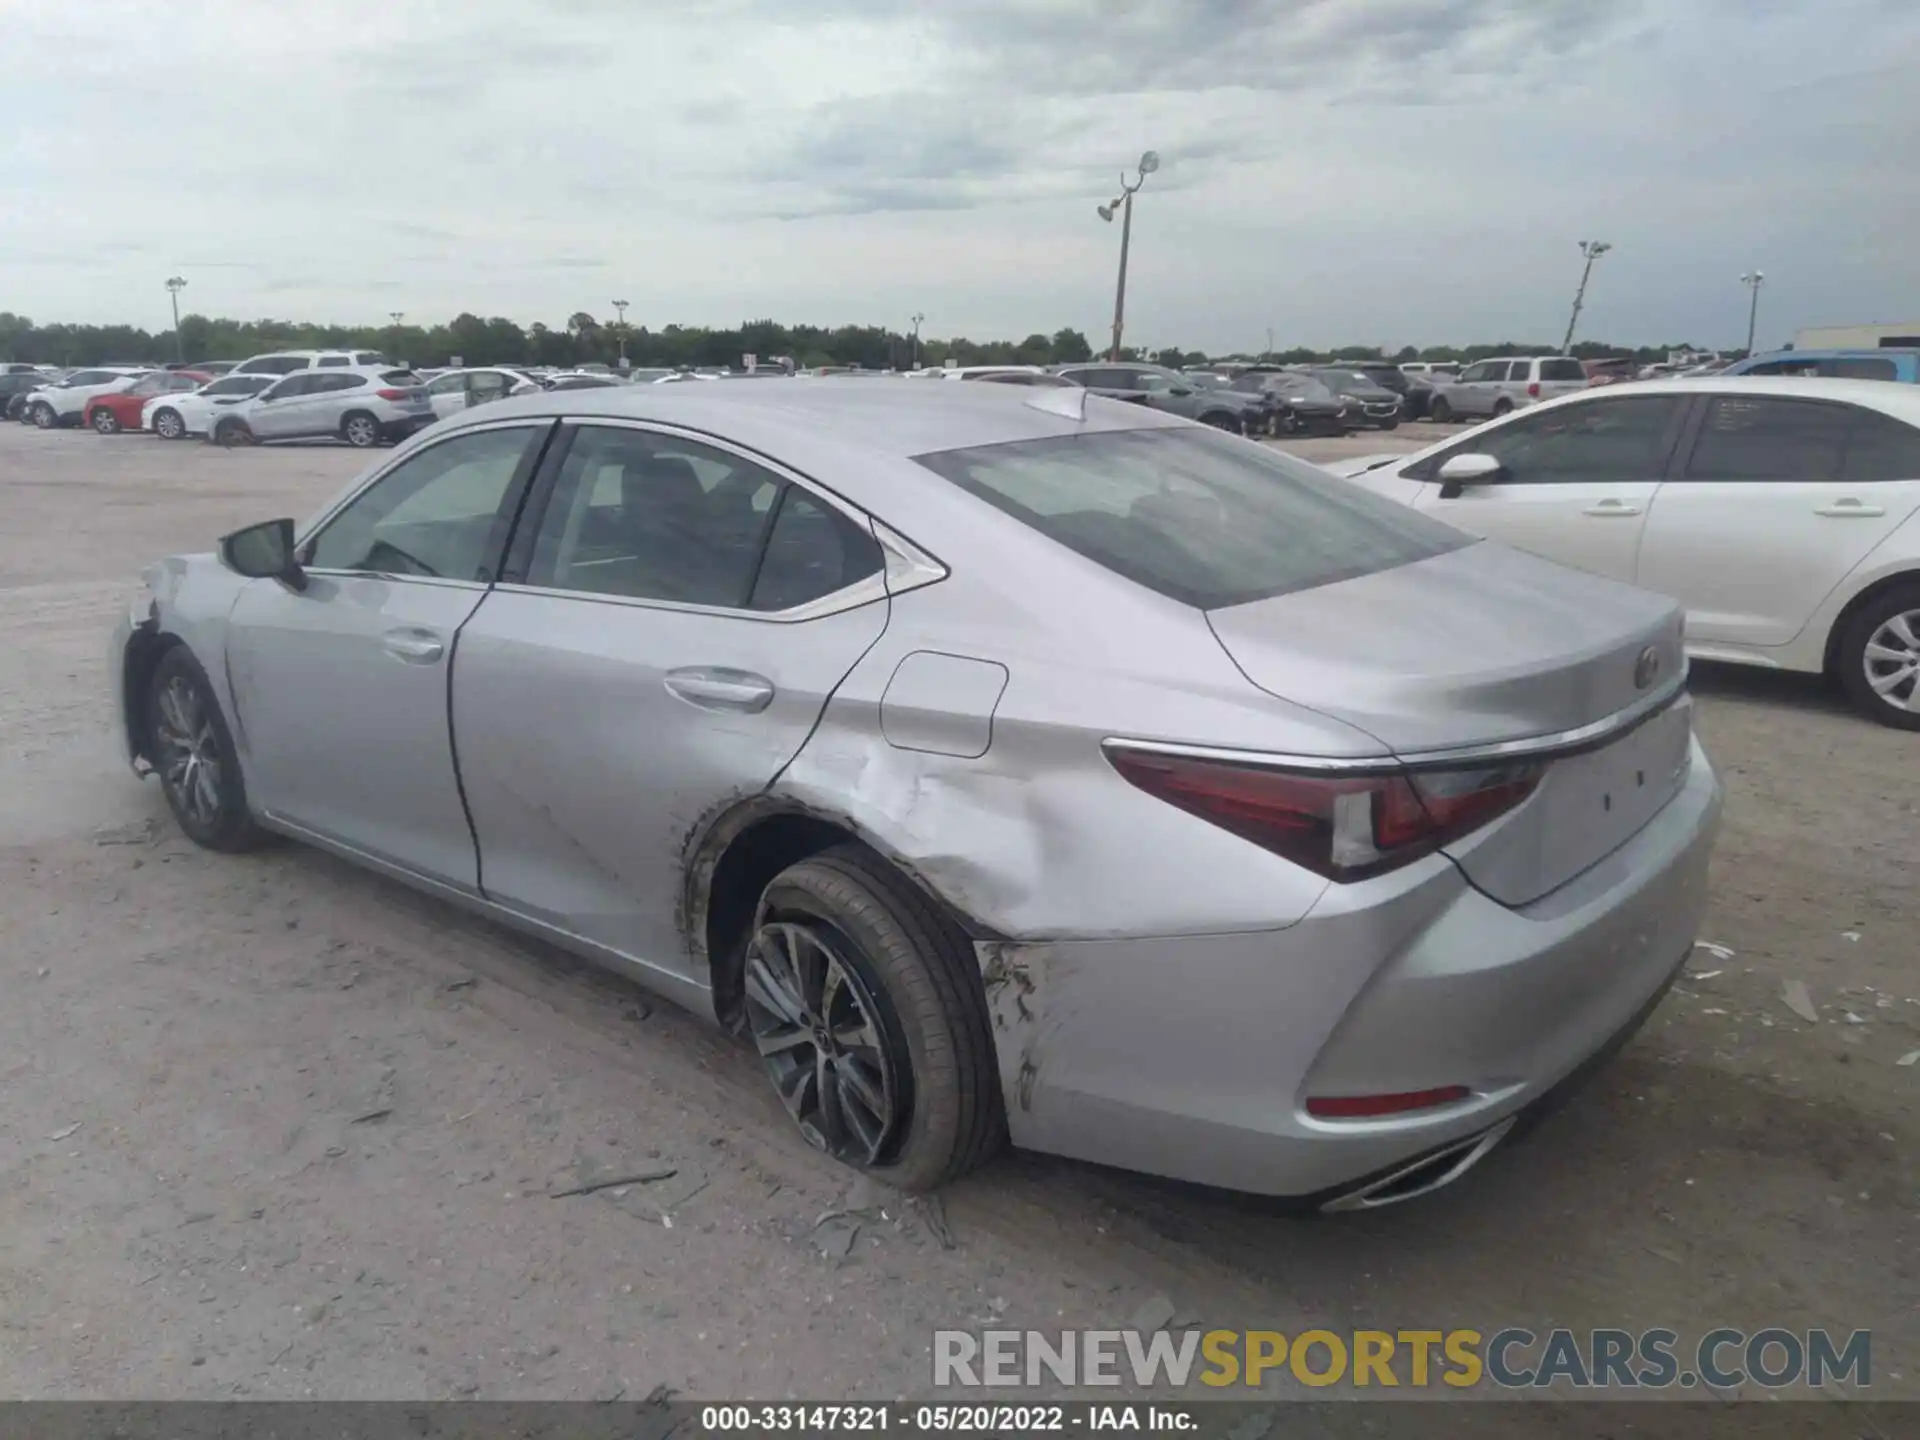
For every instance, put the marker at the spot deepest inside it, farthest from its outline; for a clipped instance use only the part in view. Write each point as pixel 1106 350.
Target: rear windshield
pixel 401 377
pixel 1562 370
pixel 1203 518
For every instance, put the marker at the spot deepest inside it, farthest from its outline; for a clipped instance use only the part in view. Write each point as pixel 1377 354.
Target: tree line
pixel 583 339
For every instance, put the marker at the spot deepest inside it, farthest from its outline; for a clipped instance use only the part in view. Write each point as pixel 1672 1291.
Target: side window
pixel 441 513
pixel 812 551
pixel 332 360
pixel 447 384
pixel 490 385
pixel 653 517
pixel 339 382
pixel 1880 448
pixel 1562 370
pixel 1481 371
pixel 1784 367
pixel 1624 439
pixel 1756 439
pixel 289 388
pixel 1860 367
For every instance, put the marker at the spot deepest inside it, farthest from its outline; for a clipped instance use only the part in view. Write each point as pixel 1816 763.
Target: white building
pixel 1858 337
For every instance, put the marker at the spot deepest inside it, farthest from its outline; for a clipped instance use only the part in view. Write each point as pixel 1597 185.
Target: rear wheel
pixel 1879 658
pixel 360 430
pixel 1440 412
pixel 1222 420
pixel 232 432
pixel 105 421
pixel 1502 406
pixel 168 425
pixel 867 1009
pixel 188 742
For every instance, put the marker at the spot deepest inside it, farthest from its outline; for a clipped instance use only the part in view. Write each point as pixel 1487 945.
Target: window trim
pixel 904 565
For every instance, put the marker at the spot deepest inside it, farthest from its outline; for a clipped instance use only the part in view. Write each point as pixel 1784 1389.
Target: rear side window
pixel 1860 367
pixel 1768 439
pixel 1562 370
pixel 331 360
pixel 1881 448
pixel 1200 517
pixel 339 382
pixel 400 377
pixel 813 550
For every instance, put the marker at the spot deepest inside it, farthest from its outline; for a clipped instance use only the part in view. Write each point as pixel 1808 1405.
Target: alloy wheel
pixel 44 417
pixel 105 421
pixel 817 1028
pixel 1892 661
pixel 189 751
pixel 362 432
pixel 168 424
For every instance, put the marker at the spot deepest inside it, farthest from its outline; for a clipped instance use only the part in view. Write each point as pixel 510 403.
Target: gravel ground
pixel 276 1128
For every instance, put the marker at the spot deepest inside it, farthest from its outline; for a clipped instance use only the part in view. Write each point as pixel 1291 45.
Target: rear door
pixel 448 394
pixel 1473 393
pixel 1777 500
pixel 673 616
pixel 1576 484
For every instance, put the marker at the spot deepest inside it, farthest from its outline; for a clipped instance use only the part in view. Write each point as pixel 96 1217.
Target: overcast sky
pixel 1344 171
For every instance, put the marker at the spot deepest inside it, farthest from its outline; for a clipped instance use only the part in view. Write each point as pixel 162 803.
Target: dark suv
pixel 1368 402
pixel 1162 389
pixel 16 381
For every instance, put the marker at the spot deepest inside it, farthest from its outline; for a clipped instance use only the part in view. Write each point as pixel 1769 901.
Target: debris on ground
pixel 1715 949
pixel 933 1214
pixel 659 1198
pixel 1154 1314
pixel 1912 1057
pixel 866 1196
pixel 584 1177
pixel 65 1131
pixel 372 1117
pixel 140 832
pixel 833 1237
pixel 1797 998
pixel 465 982
pixel 1704 974
pixel 1850 935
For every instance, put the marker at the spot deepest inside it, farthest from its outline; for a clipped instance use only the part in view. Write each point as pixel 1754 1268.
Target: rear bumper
pixel 1193 1057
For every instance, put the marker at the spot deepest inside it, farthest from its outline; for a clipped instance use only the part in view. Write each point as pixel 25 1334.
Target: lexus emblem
pixel 1646 669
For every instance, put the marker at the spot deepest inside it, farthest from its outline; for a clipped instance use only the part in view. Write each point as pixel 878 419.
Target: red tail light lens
pixel 1367 1107
pixel 1533 389
pixel 1345 827
pixel 394 394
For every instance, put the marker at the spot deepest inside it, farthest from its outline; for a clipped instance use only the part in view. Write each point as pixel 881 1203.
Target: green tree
pixel 1070 347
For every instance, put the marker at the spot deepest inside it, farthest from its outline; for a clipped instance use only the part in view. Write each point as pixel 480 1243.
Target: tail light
pixel 394 394
pixel 1533 389
pixel 1370 1107
pixel 1345 827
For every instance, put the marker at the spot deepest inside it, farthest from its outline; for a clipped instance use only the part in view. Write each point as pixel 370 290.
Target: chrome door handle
pixel 718 688
pixel 413 647
pixel 1848 509
pixel 1608 509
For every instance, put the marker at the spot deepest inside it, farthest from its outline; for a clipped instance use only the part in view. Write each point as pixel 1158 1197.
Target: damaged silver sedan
pixel 1002 763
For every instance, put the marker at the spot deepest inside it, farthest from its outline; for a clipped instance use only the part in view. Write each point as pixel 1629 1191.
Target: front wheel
pixel 105 421
pixel 1879 659
pixel 188 742
pixel 42 415
pixel 867 1009
pixel 1221 420
pixel 1440 412
pixel 168 425
pixel 360 431
pixel 1389 424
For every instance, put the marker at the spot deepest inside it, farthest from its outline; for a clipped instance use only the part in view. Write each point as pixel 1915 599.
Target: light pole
pixel 1593 250
pixel 620 308
pixel 1753 280
pixel 174 286
pixel 913 353
pixel 1149 162
pixel 396 316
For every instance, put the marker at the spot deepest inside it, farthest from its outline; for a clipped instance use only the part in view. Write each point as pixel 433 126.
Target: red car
pixel 120 410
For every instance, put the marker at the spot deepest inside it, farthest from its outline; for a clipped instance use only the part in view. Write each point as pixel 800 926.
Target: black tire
pixel 168 425
pixel 1878 623
pixel 360 430
pixel 1222 420
pixel 192 750
pixel 1389 424
pixel 1502 406
pixel 1440 412
pixel 105 421
pixel 42 415
pixel 231 432
pixel 911 998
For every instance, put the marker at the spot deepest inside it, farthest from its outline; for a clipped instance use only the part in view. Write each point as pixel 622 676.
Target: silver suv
pixel 362 407
pixel 1493 387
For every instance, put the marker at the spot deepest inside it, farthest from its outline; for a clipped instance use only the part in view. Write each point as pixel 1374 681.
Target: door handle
pixel 1849 509
pixel 1609 509
pixel 413 647
pixel 718 688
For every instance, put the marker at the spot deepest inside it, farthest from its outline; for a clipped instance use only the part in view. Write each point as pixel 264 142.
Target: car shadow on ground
pixel 1755 685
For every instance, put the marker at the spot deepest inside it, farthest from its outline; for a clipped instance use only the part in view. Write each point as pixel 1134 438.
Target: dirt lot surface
pixel 272 1127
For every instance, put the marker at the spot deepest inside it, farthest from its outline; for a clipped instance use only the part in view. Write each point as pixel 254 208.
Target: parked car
pixel 1159 388
pixel 209 367
pixel 285 362
pixel 1021 377
pixel 1784 514
pixel 1415 391
pixel 174 417
pixel 587 380
pixel 1369 405
pixel 1493 387
pixel 119 408
pixel 16 383
pixel 1611 370
pixel 361 407
pixel 64 401
pixel 1038 718
pixel 1297 404
pixel 452 391
pixel 1899 365
pixel 967 372
pixel 1430 369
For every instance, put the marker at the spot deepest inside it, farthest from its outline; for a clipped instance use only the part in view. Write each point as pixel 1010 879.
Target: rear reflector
pixel 1533 389
pixel 1362 1107
pixel 1345 827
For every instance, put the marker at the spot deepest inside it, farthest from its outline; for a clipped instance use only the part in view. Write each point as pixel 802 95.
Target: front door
pixel 1779 499
pixel 1576 481
pixel 276 414
pixel 683 614
pixel 340 690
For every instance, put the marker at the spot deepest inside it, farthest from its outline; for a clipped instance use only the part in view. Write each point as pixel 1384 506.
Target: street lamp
pixel 620 306
pixel 396 316
pixel 1753 280
pixel 913 354
pixel 1123 202
pixel 174 286
pixel 1592 250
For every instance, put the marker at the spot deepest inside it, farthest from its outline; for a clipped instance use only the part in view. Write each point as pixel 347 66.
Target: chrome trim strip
pixel 862 592
pixel 1533 747
pixel 445 582
pixel 1464 1154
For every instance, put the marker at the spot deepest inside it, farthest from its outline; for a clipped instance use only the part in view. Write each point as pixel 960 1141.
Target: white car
pixel 285 362
pixel 452 391
pixel 64 401
pixel 1784 514
pixel 173 417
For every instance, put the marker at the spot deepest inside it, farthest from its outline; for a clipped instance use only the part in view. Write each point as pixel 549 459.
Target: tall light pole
pixel 913 354
pixel 396 316
pixel 620 308
pixel 174 286
pixel 1123 202
pixel 1753 280
pixel 1592 250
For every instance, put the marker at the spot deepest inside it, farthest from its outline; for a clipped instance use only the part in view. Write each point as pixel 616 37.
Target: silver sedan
pixel 999 762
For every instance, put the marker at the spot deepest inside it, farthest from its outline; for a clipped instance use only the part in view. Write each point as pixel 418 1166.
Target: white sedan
pixel 174 417
pixel 63 402
pixel 1780 512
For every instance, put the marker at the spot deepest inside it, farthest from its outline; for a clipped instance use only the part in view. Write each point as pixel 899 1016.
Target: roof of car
pixel 1900 401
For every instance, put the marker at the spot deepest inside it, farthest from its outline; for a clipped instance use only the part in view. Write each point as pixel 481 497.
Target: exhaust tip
pixel 1423 1176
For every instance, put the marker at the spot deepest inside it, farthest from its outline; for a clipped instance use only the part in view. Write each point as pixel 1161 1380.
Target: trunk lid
pixel 1476 647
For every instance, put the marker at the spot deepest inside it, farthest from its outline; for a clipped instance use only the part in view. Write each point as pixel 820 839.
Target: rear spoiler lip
pixel 1560 744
